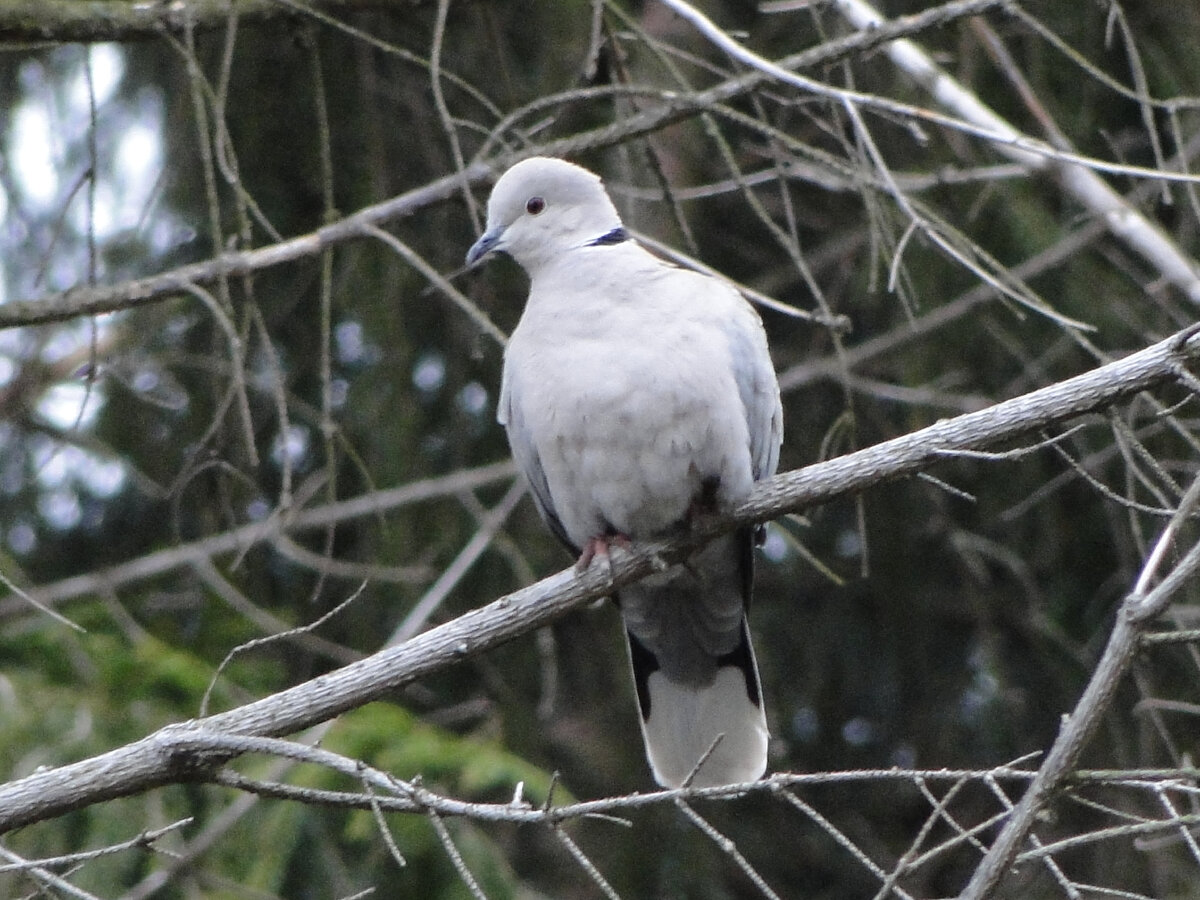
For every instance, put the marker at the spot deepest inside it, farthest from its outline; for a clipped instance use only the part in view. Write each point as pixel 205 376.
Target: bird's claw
pixel 601 545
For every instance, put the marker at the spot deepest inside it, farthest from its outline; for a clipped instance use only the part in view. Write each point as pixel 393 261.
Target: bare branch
pixel 1080 181
pixel 1132 619
pixel 241 539
pixel 860 181
pixel 84 301
pixel 157 759
pixel 66 21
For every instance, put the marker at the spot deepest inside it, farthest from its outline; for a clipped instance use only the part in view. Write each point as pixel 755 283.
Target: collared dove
pixel 638 395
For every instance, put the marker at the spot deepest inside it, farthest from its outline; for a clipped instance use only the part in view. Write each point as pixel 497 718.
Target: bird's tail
pixel 694 669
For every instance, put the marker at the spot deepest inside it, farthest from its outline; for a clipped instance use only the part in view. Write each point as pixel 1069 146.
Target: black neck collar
pixel 617 236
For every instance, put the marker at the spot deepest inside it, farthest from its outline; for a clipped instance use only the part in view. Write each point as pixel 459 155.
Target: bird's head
pixel 542 207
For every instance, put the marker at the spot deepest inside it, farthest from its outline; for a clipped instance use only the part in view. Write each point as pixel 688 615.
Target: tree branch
pixel 158 760
pixel 243 538
pixel 1123 220
pixel 88 301
pixel 1137 611
pixel 85 301
pixel 64 21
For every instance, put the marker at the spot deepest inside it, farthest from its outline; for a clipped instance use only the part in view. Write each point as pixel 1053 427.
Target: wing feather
pixel 757 387
pixel 524 451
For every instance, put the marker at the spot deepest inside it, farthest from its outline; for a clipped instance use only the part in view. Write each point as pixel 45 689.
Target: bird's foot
pixel 600 545
pixel 705 508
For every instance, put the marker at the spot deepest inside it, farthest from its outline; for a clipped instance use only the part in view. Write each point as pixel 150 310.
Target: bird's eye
pixel 534 205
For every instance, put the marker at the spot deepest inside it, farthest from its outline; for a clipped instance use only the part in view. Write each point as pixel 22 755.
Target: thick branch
pixel 156 760
pixel 89 21
pixel 96 300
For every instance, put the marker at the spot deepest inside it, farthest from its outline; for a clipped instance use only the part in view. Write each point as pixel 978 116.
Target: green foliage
pixel 468 768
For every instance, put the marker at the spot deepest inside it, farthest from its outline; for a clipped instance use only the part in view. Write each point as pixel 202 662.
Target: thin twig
pixel 729 848
pixel 242 538
pixel 1132 619
pixel 140 766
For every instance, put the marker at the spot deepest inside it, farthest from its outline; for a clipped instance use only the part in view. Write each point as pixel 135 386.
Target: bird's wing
pixel 758 387
pixel 524 451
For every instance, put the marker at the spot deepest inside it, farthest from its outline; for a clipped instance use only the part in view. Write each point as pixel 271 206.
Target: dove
pixel 638 396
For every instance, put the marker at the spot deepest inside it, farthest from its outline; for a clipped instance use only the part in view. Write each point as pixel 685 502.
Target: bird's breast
pixel 629 426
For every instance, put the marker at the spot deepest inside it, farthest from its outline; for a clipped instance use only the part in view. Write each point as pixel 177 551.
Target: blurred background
pixel 158 462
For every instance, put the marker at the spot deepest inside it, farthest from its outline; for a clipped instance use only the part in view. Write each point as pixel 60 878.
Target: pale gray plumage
pixel 636 394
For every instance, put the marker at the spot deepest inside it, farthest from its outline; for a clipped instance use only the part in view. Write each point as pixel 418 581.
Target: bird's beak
pixel 487 242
